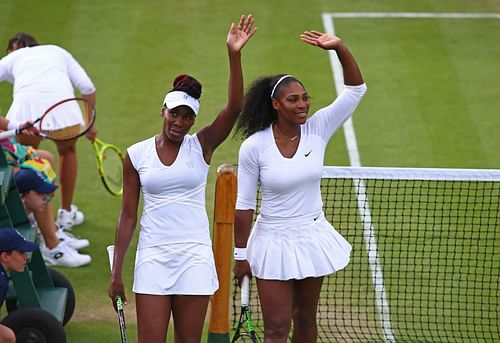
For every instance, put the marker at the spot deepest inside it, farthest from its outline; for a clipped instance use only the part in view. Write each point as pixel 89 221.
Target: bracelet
pixel 12 125
pixel 240 254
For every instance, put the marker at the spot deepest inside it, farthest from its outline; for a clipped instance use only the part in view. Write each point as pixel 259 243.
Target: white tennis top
pixel 173 196
pixel 291 186
pixel 42 75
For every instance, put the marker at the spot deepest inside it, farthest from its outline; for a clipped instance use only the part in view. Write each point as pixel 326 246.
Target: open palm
pixel 323 40
pixel 239 35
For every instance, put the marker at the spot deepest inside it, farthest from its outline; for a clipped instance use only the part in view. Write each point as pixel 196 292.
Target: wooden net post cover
pixel 224 210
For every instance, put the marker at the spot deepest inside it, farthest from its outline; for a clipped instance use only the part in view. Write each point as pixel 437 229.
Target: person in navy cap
pixel 14 251
pixel 28 180
pixel 35 192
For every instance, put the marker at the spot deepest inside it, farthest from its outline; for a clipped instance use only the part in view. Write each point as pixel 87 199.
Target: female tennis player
pixel 292 246
pixel 42 76
pixel 174 268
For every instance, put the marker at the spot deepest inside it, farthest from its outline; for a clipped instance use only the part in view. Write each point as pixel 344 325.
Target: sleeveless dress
pixel 174 253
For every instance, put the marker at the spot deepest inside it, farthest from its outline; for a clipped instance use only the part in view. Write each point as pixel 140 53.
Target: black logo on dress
pixel 316 218
pixel 308 153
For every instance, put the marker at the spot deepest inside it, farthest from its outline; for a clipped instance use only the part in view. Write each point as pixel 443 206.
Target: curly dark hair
pixel 188 84
pixel 21 40
pixel 258 112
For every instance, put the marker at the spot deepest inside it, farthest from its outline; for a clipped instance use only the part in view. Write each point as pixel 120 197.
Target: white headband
pixel 277 83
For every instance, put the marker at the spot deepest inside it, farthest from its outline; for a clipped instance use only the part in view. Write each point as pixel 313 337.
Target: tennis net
pixel 425 261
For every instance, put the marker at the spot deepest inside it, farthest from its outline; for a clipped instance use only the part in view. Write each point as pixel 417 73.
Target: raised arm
pixel 214 134
pixel 352 74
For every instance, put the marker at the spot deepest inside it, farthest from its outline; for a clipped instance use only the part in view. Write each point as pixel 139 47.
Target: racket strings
pixel 112 169
pixel 245 338
pixel 64 133
pixel 67 119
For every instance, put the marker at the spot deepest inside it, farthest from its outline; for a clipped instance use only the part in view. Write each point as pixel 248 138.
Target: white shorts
pixel 297 248
pixel 175 269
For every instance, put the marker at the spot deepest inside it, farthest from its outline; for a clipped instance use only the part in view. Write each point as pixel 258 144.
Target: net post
pixel 224 210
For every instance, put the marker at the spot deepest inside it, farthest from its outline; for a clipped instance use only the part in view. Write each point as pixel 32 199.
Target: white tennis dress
pixel 291 238
pixel 42 76
pixel 174 253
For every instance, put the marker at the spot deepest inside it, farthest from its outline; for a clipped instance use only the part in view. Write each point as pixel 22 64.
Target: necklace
pixel 282 134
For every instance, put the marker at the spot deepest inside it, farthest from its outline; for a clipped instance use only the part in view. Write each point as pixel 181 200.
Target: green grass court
pixel 433 91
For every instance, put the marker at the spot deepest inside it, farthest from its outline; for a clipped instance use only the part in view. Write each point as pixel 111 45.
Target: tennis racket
pixel 109 165
pixel 245 331
pixel 119 302
pixel 59 121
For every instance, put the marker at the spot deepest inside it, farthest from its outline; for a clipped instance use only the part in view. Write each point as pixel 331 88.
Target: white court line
pixel 364 211
pixel 412 15
pixel 352 147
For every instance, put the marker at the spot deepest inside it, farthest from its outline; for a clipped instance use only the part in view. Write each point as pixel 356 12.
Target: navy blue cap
pixel 11 239
pixel 29 180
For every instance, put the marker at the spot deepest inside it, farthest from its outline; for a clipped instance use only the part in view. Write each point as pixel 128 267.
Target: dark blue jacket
pixel 4 285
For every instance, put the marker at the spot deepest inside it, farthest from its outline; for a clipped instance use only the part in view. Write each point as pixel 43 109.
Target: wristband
pixel 240 254
pixel 12 125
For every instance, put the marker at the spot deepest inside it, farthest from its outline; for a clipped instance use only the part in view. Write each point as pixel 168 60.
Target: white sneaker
pixel 71 240
pixel 64 256
pixel 68 219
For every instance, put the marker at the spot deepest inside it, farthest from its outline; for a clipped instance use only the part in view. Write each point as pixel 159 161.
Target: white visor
pixel 178 98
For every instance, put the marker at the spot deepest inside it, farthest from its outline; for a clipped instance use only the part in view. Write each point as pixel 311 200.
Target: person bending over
pixel 43 75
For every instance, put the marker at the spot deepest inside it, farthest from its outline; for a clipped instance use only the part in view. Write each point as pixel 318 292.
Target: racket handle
pixel 18 131
pixel 245 290
pixel 7 134
pixel 119 303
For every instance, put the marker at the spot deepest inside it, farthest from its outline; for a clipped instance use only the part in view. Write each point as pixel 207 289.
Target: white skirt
pixel 23 109
pixel 175 269
pixel 285 249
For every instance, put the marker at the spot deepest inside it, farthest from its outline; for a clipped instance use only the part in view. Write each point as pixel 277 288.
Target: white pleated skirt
pixel 175 269
pixel 23 109
pixel 286 249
